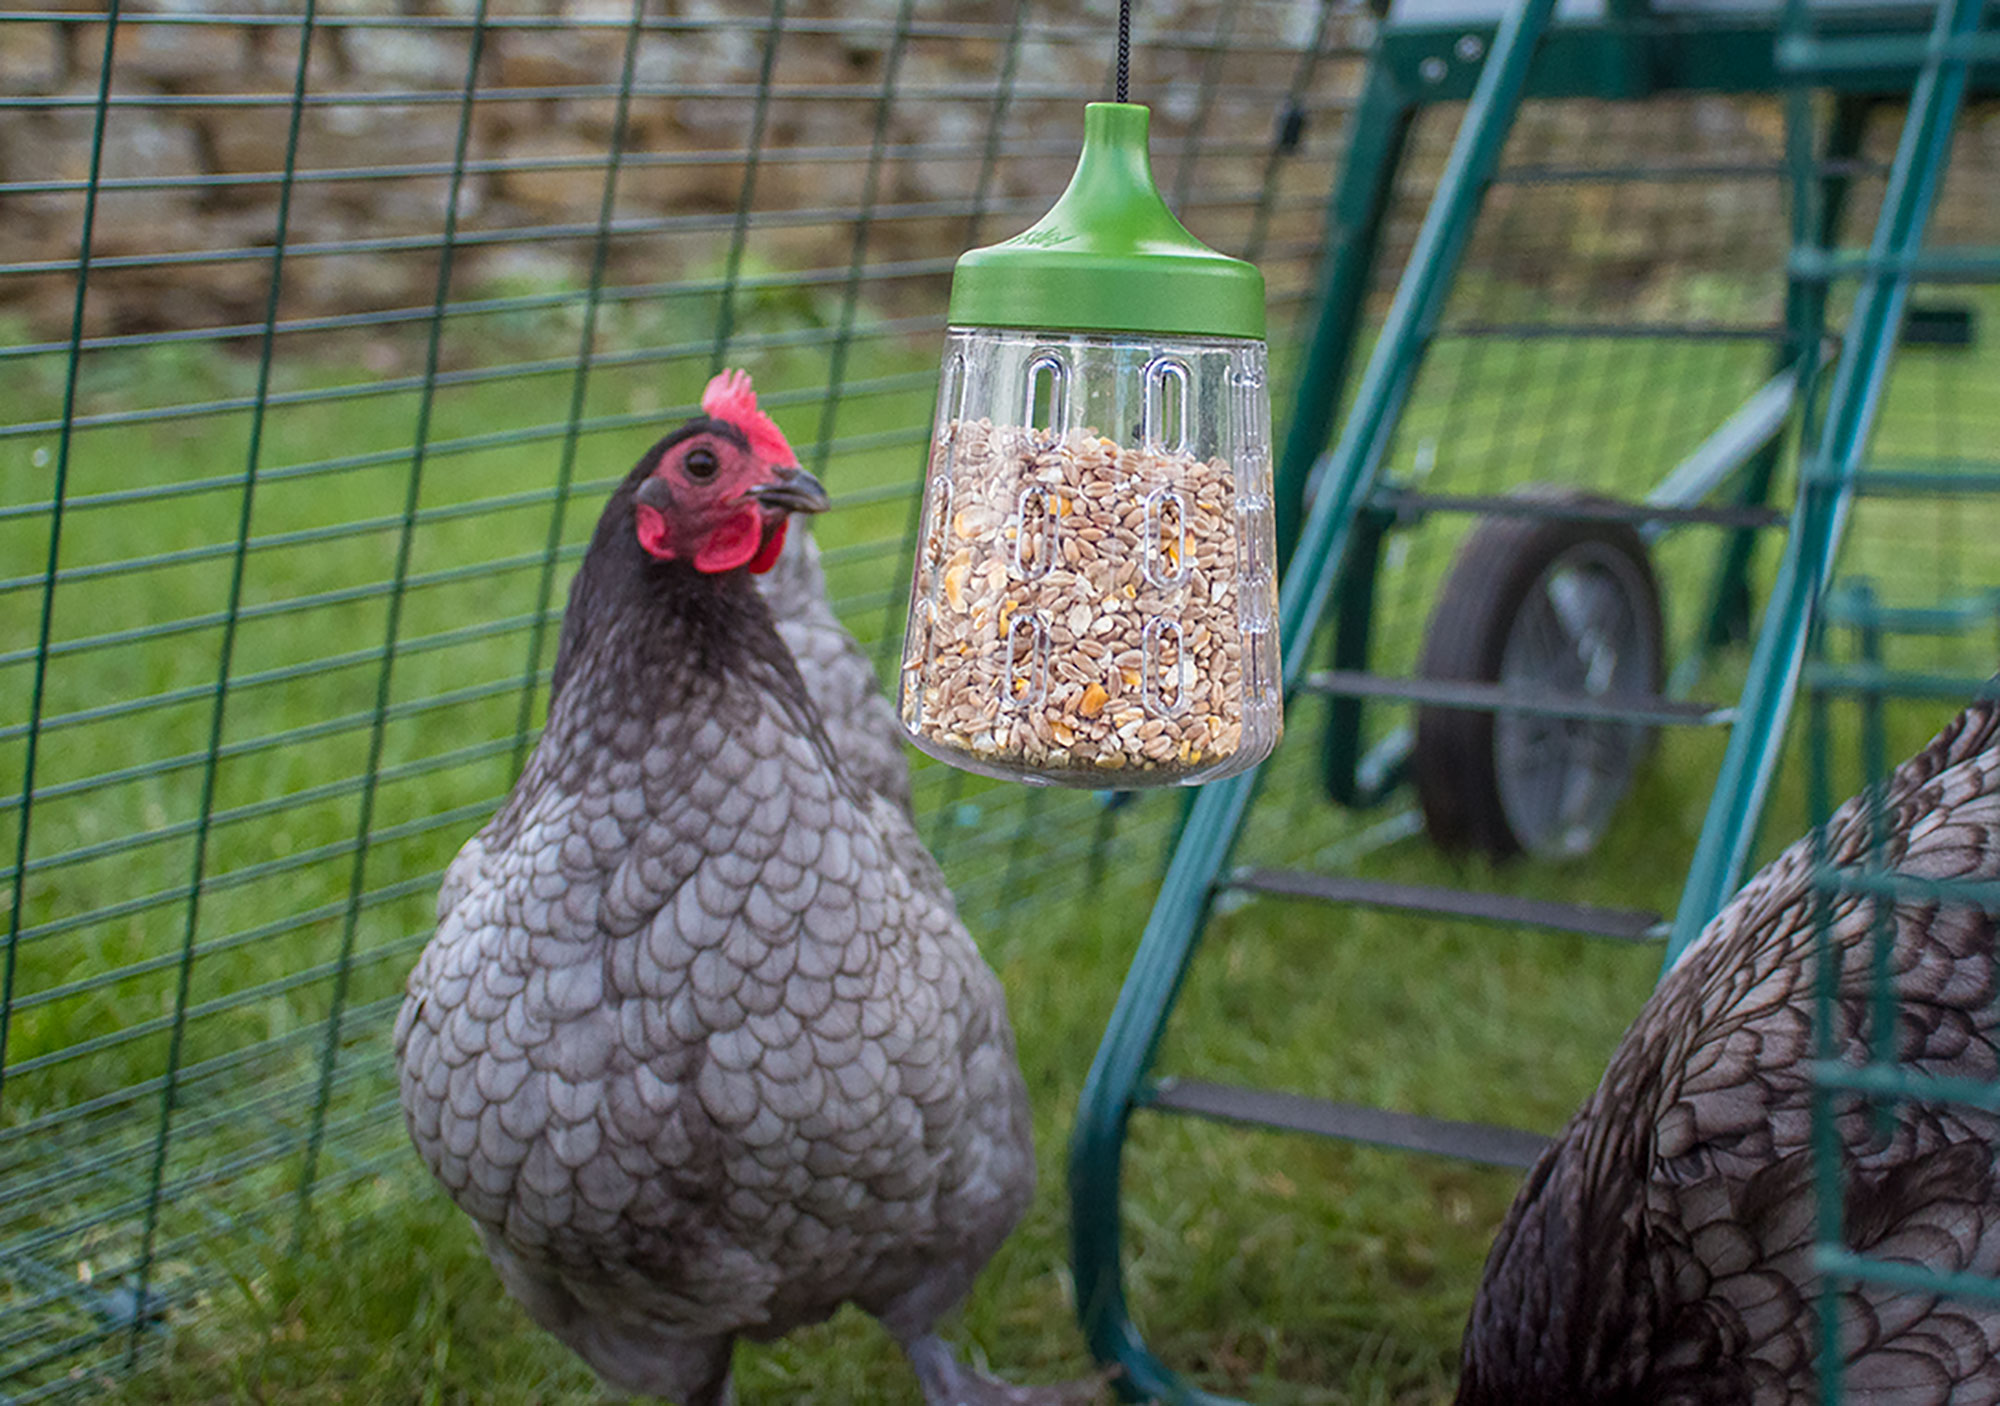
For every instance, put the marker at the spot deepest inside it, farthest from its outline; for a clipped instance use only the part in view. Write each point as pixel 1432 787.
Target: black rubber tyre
pixel 1550 602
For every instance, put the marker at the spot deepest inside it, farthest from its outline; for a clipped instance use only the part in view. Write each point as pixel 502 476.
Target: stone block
pixel 711 186
pixel 571 190
pixel 31 58
pixel 405 59
pixel 138 143
pixel 177 58
pixel 544 59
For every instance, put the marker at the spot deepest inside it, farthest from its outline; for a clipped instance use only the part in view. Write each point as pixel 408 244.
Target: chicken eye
pixel 701 464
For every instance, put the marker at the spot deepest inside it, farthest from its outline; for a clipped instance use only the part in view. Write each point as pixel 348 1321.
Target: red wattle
pixel 653 532
pixel 732 543
pixel 768 556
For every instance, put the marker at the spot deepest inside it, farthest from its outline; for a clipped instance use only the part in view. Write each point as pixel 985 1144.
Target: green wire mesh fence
pixel 1623 297
pixel 324 326
pixel 1910 634
pixel 1877 1087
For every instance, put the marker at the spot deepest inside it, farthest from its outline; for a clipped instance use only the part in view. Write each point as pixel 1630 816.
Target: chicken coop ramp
pixel 1337 512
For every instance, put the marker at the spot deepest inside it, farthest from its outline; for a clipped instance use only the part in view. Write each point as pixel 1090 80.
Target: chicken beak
pixel 655 494
pixel 794 491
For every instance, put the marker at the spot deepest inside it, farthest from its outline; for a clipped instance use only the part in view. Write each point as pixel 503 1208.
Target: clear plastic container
pixel 1095 602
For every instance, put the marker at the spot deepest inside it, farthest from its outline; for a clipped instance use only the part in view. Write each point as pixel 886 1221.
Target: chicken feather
pixel 1661 1250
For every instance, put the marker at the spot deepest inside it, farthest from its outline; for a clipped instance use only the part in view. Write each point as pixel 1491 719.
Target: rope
pixel 1124 47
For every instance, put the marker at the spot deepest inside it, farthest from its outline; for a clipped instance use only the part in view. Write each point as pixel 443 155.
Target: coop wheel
pixel 1552 603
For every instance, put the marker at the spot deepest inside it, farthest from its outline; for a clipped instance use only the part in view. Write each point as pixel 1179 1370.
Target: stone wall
pixel 197 137
pixel 198 134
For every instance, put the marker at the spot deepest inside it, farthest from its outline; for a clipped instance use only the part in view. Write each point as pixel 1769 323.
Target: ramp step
pixel 1495 698
pixel 1349 1122
pixel 1403 501
pixel 1588 919
pixel 1964 265
pixel 1854 604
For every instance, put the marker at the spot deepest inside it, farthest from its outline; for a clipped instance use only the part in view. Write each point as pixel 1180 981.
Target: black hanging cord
pixel 1124 47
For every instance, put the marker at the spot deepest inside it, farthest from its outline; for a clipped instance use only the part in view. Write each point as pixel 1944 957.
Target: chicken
pixel 839 679
pixel 700 1043
pixel 1661 1250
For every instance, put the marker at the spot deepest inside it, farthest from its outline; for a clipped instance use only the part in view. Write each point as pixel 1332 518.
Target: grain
pixel 1076 605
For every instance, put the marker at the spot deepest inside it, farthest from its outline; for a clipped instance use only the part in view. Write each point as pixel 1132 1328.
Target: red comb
pixel 730 397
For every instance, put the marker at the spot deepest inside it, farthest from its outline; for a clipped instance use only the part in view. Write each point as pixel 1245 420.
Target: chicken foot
pixel 948 1382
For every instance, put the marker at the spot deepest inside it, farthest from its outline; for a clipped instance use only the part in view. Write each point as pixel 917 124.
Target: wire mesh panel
pixel 1921 538
pixel 1622 296
pixel 324 328
pixel 1910 635
pixel 1893 909
pixel 1895 1107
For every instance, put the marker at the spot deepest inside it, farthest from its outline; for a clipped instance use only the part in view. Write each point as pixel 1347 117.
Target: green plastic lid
pixel 1109 256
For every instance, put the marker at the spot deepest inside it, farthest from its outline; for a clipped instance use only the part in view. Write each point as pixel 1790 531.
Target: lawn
pixel 197 1067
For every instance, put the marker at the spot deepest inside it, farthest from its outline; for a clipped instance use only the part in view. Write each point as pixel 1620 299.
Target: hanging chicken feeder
pixel 1094 602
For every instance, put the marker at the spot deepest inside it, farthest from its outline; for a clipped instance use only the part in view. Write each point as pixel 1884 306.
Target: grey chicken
pixel 700 1043
pixel 838 677
pixel 1662 1248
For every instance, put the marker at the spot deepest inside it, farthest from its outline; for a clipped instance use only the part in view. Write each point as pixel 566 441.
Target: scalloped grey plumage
pixel 700 1043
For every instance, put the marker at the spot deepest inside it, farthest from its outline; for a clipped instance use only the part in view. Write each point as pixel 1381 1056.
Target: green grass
pixel 1267 1266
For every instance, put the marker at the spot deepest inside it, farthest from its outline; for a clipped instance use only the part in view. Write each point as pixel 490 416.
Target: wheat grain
pixel 1076 604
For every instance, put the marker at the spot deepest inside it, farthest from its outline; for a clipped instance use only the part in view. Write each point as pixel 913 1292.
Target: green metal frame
pixel 1333 540
pixel 1376 136
pixel 1631 55
pixel 1818 205
pixel 1354 777
pixel 1644 53
pixel 1416 65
